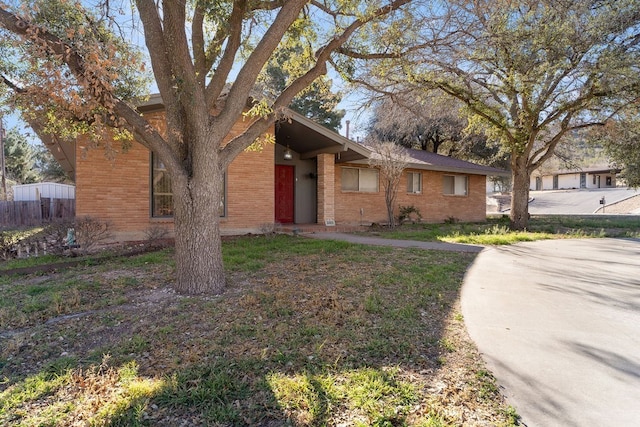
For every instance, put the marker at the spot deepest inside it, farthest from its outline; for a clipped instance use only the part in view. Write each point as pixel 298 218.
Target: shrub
pixel 408 213
pixel 90 232
pixel 155 235
pixel 81 235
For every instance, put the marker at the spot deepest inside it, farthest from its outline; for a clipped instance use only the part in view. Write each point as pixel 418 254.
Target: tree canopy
pixel 20 158
pixel 317 102
pixel 527 72
pixel 74 64
pixel 426 122
pixel 620 138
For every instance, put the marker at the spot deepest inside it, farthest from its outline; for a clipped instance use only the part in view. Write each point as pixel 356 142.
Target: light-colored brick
pixel 118 191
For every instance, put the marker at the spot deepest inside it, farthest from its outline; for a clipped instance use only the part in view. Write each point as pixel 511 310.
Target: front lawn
pixel 308 333
pixel 495 231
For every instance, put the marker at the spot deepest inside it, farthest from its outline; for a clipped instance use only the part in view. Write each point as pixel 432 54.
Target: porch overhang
pixel 63 150
pixel 309 139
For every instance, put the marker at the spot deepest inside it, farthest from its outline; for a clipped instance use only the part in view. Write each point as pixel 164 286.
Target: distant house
pixel 596 177
pixel 311 175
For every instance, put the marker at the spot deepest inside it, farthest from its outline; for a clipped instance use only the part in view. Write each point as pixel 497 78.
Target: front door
pixel 284 194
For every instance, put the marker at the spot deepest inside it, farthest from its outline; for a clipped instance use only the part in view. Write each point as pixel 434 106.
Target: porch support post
pixel 326 188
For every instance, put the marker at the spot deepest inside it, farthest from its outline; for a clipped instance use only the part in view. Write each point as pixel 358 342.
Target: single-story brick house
pixel 594 177
pixel 310 176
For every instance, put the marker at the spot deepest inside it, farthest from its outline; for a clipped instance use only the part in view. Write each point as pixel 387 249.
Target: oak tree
pixel 529 72
pixel 620 138
pixel 81 62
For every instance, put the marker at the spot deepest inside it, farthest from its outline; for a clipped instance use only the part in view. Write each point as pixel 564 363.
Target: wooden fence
pixel 31 213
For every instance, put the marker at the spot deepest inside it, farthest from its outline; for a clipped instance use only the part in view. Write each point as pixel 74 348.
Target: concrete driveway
pixel 584 201
pixel 558 323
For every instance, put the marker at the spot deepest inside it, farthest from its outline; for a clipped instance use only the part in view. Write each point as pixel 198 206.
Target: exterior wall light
pixel 288 155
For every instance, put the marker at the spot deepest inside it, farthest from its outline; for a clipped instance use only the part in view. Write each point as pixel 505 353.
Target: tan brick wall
pixel 118 190
pixel 326 187
pixel 355 207
pixel 250 191
pixel 115 190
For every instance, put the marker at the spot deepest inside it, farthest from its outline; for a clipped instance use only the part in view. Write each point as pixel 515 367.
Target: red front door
pixel 284 194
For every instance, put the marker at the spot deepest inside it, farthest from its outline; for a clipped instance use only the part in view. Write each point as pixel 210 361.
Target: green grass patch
pixel 31 262
pixel 495 231
pixel 377 396
pixel 309 333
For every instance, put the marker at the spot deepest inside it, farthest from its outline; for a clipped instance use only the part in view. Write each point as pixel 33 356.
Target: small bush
pixel 55 235
pixel 409 213
pixel 155 235
pixel 81 235
pixel 90 232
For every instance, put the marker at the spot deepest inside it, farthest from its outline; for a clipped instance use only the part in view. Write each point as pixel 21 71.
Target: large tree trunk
pixel 198 247
pixel 520 193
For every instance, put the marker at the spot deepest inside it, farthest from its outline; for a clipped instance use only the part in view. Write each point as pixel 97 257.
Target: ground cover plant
pixel 309 333
pixel 495 231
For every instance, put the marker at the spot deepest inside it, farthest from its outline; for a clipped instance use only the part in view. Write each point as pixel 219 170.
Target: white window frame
pixel 460 185
pixel 361 188
pixel 412 178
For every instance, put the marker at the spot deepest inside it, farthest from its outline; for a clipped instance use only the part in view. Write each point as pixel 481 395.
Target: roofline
pixel 585 170
pixel 328 133
pixel 465 171
pixel 487 172
pixel 154 103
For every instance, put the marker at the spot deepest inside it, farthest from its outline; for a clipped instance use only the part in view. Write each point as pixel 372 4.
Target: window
pixel 161 193
pixel 363 180
pixel 455 185
pixel 414 182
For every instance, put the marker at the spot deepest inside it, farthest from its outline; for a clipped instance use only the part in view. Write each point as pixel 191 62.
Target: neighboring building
pixel 597 177
pixel 48 190
pixel 310 176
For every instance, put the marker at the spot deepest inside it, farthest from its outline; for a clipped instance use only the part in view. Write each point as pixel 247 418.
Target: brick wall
pixel 326 187
pixel 355 207
pixel 118 190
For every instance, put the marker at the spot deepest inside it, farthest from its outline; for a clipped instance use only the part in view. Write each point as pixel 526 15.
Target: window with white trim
pixel 162 195
pixel 360 179
pixel 414 182
pixel 455 185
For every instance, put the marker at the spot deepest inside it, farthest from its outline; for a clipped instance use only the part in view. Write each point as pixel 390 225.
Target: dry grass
pixel 308 333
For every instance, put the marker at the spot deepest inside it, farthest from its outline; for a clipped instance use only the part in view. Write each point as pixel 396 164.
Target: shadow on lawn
pixel 326 335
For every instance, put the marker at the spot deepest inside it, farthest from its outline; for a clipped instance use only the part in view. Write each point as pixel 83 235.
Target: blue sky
pixel 351 103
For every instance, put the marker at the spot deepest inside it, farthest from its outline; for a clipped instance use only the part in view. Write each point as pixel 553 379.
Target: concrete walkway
pixel 558 323
pixel 379 241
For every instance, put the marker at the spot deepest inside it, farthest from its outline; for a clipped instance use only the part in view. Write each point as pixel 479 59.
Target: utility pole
pixel 3 168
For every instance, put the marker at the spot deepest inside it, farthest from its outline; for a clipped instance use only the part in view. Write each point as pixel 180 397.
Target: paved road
pixel 584 201
pixel 558 323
